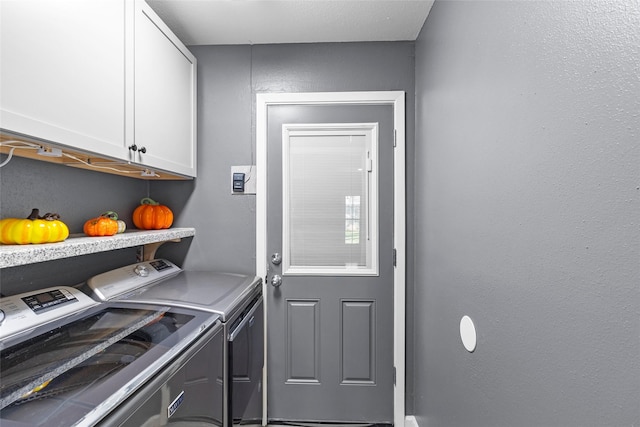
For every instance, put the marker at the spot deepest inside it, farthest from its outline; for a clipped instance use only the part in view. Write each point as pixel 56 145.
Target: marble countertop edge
pixel 80 244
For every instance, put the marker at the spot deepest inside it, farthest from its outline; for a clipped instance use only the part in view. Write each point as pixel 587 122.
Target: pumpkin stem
pixel 111 214
pixel 34 214
pixel 148 201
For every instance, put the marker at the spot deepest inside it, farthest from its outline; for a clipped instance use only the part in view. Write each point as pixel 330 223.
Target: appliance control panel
pixel 124 280
pixel 28 310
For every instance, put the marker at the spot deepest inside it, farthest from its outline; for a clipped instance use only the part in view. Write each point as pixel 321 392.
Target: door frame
pixel 396 99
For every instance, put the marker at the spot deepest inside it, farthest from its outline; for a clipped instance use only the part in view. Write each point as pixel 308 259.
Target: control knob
pixel 141 270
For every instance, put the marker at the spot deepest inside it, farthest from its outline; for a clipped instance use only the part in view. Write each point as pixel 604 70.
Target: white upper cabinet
pixel 63 72
pixel 105 77
pixel 165 96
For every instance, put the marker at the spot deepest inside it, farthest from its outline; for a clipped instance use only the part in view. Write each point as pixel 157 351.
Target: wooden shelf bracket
pixel 149 250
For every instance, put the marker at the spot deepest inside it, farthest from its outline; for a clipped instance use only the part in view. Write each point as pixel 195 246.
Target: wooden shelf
pixel 79 244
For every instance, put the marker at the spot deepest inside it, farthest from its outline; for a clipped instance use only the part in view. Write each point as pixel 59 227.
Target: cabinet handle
pixel 142 150
pixel 133 147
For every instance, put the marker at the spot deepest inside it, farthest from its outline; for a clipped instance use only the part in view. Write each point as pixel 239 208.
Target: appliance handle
pixel 233 334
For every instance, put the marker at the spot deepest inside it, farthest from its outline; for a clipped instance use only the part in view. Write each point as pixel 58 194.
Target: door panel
pixel 303 342
pixel 330 335
pixel 358 342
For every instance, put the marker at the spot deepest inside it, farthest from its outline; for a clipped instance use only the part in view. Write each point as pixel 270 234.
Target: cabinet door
pixel 165 96
pixel 63 72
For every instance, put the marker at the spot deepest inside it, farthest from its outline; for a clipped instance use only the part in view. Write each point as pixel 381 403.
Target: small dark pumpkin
pixel 104 225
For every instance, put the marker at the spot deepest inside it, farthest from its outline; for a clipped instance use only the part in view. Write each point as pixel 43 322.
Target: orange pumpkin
pixel 151 215
pixel 104 225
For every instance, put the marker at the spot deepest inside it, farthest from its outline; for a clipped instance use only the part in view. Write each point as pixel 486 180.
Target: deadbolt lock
pixel 276 258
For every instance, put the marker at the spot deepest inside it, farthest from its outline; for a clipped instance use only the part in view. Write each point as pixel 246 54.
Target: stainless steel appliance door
pixel 186 393
pixel 246 362
pixel 77 371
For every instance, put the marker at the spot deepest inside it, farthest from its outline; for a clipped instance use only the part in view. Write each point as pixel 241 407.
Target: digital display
pixel 42 298
pixel 159 265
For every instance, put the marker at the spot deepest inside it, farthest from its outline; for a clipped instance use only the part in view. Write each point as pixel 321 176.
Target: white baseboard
pixel 410 421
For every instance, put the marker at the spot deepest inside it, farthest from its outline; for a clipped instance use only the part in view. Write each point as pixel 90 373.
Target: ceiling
pixel 203 22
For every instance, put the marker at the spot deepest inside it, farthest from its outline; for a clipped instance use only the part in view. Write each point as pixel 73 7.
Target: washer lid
pixel 76 370
pixel 221 293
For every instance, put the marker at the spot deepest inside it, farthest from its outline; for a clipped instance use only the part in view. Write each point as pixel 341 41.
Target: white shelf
pixel 79 244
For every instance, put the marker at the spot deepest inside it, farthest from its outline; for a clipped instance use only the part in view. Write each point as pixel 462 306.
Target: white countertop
pixel 80 244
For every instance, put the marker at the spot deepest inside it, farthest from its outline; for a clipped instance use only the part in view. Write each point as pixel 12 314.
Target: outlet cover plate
pixel 250 177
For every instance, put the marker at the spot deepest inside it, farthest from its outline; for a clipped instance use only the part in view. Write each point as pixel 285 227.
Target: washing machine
pixel 236 298
pixel 68 360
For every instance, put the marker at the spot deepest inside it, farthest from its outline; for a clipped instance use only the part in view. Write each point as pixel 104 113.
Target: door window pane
pixel 352 220
pixel 327 180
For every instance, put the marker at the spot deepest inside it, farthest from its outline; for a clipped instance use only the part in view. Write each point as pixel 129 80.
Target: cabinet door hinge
pixel 395 256
pixel 394 375
pixel 395 137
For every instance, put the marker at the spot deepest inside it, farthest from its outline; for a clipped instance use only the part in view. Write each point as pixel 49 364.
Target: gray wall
pixel 228 79
pixel 76 195
pixel 527 214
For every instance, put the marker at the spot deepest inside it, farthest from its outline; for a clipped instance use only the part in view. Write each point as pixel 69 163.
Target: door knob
pixel 276 280
pixel 276 258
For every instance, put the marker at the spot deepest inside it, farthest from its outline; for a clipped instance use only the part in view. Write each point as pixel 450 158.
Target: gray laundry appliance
pixel 69 361
pixel 236 298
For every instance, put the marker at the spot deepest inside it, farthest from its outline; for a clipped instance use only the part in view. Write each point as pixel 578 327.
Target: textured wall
pixel 225 224
pixel 76 195
pixel 527 214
